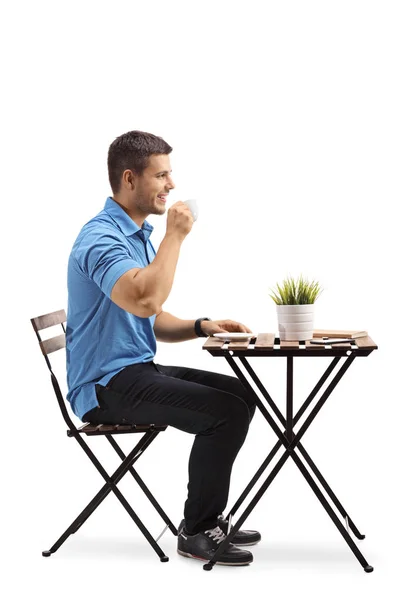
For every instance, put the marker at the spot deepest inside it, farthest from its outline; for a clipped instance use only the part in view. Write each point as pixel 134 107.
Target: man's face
pixel 153 186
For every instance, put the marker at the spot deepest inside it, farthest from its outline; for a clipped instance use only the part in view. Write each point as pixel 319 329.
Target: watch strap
pixel 197 326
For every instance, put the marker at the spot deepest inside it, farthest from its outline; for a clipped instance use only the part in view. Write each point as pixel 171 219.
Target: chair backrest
pixel 52 345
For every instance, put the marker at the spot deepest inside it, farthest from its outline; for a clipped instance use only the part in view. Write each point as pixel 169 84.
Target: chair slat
pixel 91 429
pixel 49 320
pixel 106 428
pixel 53 344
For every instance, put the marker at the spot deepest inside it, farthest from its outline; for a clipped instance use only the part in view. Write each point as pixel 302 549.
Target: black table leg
pixel 290 441
pixel 289 399
pixel 302 450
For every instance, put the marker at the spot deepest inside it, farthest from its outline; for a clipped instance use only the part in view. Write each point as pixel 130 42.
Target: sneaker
pixel 243 537
pixel 203 545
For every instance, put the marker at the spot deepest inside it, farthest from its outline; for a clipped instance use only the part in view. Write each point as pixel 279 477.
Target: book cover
pixel 336 333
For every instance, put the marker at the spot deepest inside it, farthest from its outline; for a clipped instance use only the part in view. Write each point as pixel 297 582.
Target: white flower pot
pixel 295 321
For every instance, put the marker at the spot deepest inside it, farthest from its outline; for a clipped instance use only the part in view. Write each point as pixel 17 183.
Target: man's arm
pixel 168 328
pixel 142 292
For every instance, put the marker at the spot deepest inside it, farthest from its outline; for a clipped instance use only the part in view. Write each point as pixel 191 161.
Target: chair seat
pixel 91 429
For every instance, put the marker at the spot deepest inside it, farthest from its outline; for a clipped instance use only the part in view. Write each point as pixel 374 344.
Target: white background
pixel 284 119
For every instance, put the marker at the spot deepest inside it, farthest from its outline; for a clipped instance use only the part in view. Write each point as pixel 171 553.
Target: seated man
pixel 117 284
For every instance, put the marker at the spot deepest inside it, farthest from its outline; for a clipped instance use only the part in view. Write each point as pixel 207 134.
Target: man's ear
pixel 129 179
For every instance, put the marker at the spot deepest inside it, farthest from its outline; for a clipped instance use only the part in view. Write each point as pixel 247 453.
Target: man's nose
pixel 170 183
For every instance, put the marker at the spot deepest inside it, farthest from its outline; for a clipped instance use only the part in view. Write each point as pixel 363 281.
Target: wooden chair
pixel 149 431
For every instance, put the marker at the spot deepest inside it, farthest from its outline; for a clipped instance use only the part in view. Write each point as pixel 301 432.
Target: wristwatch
pixel 197 326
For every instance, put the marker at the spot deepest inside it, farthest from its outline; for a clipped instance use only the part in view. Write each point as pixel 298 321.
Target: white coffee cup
pixel 192 204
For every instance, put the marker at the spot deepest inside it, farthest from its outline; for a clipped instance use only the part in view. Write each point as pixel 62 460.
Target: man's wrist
pixel 197 326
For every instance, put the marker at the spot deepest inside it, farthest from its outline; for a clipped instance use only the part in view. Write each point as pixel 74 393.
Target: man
pixel 117 285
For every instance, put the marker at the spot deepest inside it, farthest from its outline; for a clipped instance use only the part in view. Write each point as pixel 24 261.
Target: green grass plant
pixel 296 292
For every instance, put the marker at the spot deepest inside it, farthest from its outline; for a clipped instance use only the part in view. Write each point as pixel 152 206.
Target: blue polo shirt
pixel 101 337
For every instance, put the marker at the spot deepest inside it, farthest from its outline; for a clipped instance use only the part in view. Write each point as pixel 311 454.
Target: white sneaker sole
pixel 218 562
pixel 248 544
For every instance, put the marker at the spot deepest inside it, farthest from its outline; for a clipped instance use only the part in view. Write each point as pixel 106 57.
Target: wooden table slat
pixel 366 342
pixel 288 344
pixel 213 342
pixel 265 340
pixel 239 344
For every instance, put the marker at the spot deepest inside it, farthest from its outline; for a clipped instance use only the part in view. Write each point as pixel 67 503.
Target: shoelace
pixel 216 534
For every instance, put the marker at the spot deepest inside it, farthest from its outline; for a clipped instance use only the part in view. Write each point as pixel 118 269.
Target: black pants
pixel 214 407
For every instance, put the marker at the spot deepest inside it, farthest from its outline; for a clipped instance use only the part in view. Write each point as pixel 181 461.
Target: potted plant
pixel 295 307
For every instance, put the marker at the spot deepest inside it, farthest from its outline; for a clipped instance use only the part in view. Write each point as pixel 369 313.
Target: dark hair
pixel 132 151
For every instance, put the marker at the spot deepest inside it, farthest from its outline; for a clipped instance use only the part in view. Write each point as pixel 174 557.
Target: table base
pixel 291 442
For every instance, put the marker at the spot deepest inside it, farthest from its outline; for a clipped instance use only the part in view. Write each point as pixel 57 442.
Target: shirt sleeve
pixel 104 257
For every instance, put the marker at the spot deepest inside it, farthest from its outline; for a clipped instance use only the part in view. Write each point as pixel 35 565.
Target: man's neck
pixel 136 218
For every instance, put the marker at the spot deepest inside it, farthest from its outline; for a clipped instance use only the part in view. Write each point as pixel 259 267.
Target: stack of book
pixel 319 333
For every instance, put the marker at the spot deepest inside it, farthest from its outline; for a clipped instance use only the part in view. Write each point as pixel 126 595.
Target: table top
pixel 268 344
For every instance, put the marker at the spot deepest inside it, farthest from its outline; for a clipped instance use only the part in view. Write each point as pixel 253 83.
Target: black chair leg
pixel 105 490
pixel 143 443
pixel 143 486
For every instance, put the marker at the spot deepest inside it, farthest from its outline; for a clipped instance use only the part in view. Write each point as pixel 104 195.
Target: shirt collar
pixel 123 220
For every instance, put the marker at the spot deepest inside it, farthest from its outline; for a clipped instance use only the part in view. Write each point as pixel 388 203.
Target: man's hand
pixel 224 326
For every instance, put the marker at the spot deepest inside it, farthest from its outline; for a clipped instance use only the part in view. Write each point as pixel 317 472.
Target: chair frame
pixel 150 432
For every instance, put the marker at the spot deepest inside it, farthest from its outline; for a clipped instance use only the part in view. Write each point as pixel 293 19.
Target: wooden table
pixel 268 345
